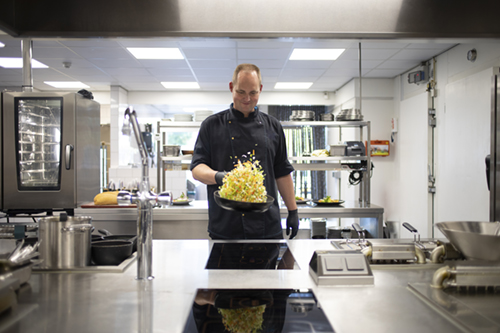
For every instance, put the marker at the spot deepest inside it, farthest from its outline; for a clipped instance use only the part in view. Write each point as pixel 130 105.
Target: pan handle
pixel 412 230
pixel 409 227
pixel 360 232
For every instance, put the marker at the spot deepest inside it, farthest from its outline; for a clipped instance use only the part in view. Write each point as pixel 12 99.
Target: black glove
pixel 292 222
pixel 219 176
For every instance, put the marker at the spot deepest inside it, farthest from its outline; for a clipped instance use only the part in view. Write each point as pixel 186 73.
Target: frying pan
pixel 109 236
pixel 111 252
pixel 242 206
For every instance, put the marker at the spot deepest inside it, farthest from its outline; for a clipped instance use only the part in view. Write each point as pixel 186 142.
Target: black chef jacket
pixel 227 137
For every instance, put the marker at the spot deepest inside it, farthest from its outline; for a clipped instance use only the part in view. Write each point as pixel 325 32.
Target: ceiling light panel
pixel 181 85
pixel 18 63
pixel 316 54
pixel 293 85
pixel 2 44
pixel 155 52
pixel 66 84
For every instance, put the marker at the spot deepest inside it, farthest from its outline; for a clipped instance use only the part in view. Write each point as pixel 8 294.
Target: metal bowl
pixel 242 206
pixel 476 240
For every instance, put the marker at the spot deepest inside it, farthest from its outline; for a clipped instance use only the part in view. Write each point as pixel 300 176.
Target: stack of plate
pixel 202 115
pixel 183 117
pixel 302 115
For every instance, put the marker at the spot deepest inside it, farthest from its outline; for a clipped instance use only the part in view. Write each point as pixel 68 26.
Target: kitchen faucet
pixel 145 199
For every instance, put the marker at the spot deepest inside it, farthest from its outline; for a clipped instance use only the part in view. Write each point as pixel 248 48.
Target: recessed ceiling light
pixel 181 85
pixel 2 44
pixel 18 63
pixel 66 84
pixel 156 52
pixel 293 85
pixel 316 54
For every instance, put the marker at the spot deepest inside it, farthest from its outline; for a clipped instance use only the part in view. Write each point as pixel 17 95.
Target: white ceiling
pixel 102 62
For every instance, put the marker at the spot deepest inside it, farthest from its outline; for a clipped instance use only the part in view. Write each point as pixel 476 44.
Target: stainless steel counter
pixel 116 302
pixel 190 221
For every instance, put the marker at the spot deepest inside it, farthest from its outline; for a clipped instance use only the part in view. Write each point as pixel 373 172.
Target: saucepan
pixel 242 206
pixel 475 240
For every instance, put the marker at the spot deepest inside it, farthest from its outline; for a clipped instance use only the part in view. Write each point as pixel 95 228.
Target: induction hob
pixel 250 255
pixel 256 310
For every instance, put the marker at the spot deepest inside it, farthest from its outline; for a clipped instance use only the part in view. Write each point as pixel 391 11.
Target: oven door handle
pixel 69 149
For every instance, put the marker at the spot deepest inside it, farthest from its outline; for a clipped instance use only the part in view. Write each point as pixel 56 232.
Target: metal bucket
pixel 475 240
pixel 66 241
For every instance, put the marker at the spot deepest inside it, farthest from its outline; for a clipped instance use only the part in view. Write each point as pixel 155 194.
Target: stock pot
pixel 65 242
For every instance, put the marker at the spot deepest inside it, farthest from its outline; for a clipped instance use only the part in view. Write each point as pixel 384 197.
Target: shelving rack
pixel 312 163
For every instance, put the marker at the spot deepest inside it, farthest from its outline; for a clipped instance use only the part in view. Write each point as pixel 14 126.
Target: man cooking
pixel 234 134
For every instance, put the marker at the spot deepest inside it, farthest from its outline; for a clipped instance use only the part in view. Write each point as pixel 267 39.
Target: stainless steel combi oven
pixel 49 151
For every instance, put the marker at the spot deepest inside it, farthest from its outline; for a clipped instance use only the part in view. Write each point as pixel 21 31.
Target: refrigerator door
pixel 39 137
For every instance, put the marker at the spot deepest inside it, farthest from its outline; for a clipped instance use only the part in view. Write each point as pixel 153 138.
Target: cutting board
pixel 92 205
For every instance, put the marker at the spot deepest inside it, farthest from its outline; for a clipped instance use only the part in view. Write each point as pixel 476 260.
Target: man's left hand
pixel 292 222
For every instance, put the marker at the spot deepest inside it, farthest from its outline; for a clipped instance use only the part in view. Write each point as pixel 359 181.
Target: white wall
pixel 462 140
pixel 377 106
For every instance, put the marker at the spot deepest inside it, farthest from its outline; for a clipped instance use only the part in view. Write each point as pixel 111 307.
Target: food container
pixel 65 241
pixel 337 150
pixel 171 150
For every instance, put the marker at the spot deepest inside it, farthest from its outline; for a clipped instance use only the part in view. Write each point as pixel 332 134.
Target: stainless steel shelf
pixel 177 158
pixel 325 123
pixel 183 124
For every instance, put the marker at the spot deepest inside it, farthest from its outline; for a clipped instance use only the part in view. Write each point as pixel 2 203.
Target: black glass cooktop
pixel 256 310
pixel 251 256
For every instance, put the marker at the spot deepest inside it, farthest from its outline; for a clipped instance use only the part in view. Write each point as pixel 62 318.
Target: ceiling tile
pixel 415 54
pixel 383 73
pixel 264 53
pixel 75 62
pixel 102 53
pixel 227 63
pixel 127 71
pixel 90 43
pixel 398 64
pixel 218 72
pixel 53 52
pixel 163 63
pixel 209 53
pixel 171 72
pixel 309 64
pixel 115 63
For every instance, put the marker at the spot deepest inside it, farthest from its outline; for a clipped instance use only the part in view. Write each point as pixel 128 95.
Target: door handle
pixel 69 149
